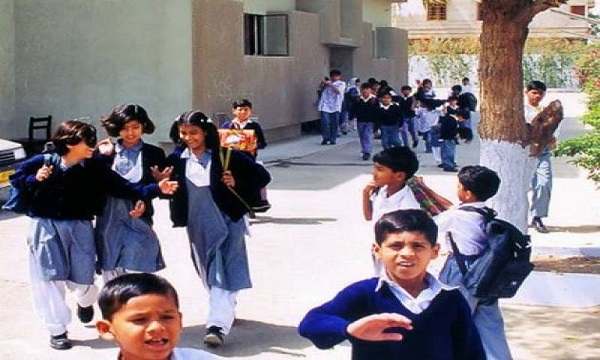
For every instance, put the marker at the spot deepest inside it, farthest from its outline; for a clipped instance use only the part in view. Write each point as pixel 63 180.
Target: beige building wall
pixel 79 58
pixel 7 69
pixel 461 21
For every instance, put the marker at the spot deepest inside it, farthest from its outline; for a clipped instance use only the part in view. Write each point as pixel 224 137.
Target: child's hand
pixel 106 147
pixel 44 172
pixel 168 187
pixel 369 188
pixel 228 179
pixel 138 209
pixel 372 327
pixel 160 175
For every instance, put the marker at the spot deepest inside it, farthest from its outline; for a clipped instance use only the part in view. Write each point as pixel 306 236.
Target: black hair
pixel 383 83
pixel 405 87
pixel 372 81
pixel 411 220
pixel 456 88
pixel 199 119
pixel 365 85
pixel 122 114
pixel 118 291
pixel 241 103
pixel 399 158
pixel 385 93
pixel 480 181
pixel 536 85
pixel 72 132
pixel 466 78
pixel 335 72
pixel 426 81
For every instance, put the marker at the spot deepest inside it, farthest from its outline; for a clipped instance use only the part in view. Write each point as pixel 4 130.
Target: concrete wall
pixel 79 58
pixel 263 6
pixel 378 12
pixel 7 70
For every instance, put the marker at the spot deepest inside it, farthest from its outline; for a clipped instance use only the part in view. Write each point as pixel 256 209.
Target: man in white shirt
pixel 330 105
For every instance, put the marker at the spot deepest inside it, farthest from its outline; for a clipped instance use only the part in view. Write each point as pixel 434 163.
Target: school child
pixel 387 191
pixel 476 184
pixel 140 312
pixel 431 130
pixel 449 125
pixel 365 110
pixel 126 243
pixel 330 105
pixel 210 202
pixel 67 188
pixel 408 104
pixel 425 91
pixel 350 97
pixel 242 111
pixel 389 118
pixel 405 313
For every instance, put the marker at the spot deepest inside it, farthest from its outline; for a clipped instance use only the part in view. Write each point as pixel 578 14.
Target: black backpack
pixel 468 101
pixel 500 269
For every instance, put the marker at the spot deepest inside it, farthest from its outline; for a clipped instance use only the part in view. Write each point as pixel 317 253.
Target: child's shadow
pixel 291 221
pixel 249 338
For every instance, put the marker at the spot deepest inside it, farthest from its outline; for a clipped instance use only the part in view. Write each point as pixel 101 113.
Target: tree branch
pixel 536 7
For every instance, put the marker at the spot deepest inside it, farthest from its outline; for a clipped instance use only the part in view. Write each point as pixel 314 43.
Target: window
pixel 578 10
pixel 436 12
pixel 266 35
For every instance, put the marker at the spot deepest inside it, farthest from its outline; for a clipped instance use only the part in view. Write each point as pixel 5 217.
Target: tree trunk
pixel 503 130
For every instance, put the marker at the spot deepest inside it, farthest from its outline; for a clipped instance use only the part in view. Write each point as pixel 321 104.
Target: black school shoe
pixel 60 342
pixel 539 226
pixel 85 314
pixel 214 337
pixel 261 206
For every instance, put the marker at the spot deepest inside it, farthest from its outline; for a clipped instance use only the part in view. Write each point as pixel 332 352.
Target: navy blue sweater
pixel 445 330
pixel 249 178
pixel 365 111
pixel 392 116
pixel 77 193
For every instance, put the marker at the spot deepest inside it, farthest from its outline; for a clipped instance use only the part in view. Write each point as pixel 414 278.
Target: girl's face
pixel 80 151
pixel 131 134
pixel 193 136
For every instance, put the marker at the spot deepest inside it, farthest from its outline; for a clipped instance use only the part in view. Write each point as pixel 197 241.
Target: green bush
pixel 585 149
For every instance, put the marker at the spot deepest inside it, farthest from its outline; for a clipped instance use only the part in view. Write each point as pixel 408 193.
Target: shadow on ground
pixel 580 229
pixel 290 221
pixel 250 338
pixel 553 332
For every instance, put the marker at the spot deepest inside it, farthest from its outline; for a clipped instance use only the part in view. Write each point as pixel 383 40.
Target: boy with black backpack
pixel 467 227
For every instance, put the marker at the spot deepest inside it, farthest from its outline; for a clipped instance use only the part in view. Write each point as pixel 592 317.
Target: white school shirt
pixel 194 171
pixel 331 101
pixel 467 228
pixel 402 200
pixel 415 305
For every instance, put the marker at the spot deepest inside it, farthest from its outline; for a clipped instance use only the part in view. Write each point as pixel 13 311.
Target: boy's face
pixel 80 151
pixel 386 100
pixel 335 78
pixel 365 92
pixel 383 175
pixel 406 92
pixel 535 96
pixel 146 327
pixel 464 195
pixel 405 256
pixel 242 113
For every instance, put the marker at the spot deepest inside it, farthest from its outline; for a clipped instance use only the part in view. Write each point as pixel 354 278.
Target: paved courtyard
pixel 308 246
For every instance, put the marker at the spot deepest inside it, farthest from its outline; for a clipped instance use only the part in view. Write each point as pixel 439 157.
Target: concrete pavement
pixel 310 245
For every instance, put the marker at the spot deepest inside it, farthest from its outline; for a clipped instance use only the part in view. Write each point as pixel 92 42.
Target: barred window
pixel 436 12
pixel 266 35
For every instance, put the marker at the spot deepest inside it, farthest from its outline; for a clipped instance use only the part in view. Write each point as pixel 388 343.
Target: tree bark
pixel 503 130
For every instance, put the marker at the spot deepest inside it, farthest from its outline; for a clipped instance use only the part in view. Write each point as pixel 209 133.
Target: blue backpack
pixel 18 199
pixel 500 269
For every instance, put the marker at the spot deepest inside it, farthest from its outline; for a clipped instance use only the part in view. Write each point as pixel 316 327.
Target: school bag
pixel 19 200
pixel 500 269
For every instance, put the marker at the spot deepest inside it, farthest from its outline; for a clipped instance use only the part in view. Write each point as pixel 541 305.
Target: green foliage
pixel 585 149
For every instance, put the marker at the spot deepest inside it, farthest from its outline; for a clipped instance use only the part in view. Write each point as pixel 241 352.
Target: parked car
pixel 11 155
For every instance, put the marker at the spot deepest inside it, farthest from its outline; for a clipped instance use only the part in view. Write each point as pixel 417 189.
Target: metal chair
pixel 32 144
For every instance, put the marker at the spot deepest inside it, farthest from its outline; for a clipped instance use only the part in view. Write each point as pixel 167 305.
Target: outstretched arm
pixel 367 205
pixel 373 327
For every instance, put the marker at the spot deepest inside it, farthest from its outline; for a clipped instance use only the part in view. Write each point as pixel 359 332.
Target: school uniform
pixel 382 204
pixel 366 115
pixel 62 253
pixel 216 224
pixel 448 130
pixel 468 232
pixel 390 119
pixel 408 114
pixel 330 106
pixel 187 354
pixel 125 243
pixel 442 325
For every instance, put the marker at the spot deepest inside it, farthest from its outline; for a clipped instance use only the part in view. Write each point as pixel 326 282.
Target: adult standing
pixel 330 105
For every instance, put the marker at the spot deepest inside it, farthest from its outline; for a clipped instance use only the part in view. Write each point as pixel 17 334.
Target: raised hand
pixel 44 172
pixel 138 209
pixel 168 187
pixel 372 327
pixel 106 147
pixel 160 175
